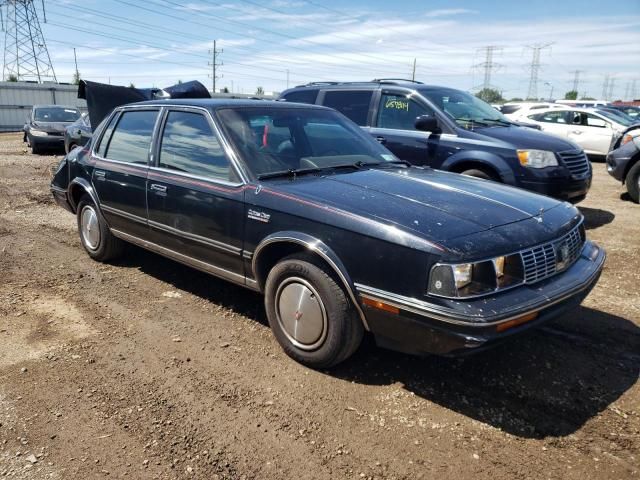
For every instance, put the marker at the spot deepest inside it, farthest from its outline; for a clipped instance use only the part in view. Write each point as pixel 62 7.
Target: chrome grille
pixel 576 161
pixel 543 261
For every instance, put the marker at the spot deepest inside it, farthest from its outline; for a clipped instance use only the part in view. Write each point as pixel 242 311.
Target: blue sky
pixel 157 42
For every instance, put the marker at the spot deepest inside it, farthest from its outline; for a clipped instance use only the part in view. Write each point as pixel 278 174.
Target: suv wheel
pixel 310 314
pixel 633 182
pixel 480 173
pixel 95 235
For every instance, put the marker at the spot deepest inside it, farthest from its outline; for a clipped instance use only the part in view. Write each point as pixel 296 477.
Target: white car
pixel 518 112
pixel 593 129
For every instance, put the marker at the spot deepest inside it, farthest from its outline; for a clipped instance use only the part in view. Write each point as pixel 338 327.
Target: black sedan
pixel 78 133
pixel 46 125
pixel 297 202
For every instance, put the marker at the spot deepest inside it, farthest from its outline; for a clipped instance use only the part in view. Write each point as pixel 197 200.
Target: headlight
pixel 537 158
pixel 472 279
pixel 38 133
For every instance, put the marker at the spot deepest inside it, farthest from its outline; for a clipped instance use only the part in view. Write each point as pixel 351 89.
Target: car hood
pixel 51 126
pixel 522 137
pixel 429 204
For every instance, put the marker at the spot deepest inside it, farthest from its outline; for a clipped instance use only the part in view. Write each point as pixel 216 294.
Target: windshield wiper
pixel 472 122
pixel 498 120
pixel 292 172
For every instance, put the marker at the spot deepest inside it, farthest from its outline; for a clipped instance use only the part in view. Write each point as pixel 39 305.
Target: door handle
pixel 99 174
pixel 381 139
pixel 577 132
pixel 158 188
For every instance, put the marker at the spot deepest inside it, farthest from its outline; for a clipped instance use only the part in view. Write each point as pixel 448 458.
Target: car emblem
pixel 298 315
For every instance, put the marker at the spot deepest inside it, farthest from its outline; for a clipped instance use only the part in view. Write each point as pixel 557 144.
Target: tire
pixel 35 150
pixel 299 285
pixel 480 173
pixel 633 182
pixel 97 240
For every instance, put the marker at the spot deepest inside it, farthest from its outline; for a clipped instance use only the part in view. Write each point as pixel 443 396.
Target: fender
pixel 87 187
pixel 491 160
pixel 323 251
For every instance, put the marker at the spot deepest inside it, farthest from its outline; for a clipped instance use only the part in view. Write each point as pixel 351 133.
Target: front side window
pixel 131 137
pixel 272 140
pixel 353 104
pixel 189 145
pixel 400 112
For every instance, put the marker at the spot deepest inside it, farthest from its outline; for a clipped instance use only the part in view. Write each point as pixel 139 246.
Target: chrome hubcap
pixel 301 313
pixel 90 228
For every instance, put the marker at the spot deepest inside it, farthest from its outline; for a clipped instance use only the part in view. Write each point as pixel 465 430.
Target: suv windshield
pixel 295 140
pixel 55 114
pixel 467 110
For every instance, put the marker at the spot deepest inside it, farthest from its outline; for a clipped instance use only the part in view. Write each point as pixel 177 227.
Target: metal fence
pixel 17 98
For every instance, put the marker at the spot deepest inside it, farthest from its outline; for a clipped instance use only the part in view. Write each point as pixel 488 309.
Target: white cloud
pixel 447 12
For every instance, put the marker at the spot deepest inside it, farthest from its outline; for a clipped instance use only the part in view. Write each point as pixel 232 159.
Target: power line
pixel 534 68
pixel 25 51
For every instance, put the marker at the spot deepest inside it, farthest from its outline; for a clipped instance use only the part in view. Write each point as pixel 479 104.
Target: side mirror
pixel 427 123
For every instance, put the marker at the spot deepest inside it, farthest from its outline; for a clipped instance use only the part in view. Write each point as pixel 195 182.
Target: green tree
pixel 131 85
pixel 587 98
pixel 259 91
pixel 76 78
pixel 490 95
pixel 12 78
pixel 516 99
pixel 571 95
pixel 225 90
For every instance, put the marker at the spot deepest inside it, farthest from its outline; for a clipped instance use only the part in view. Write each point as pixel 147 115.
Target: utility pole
pixel 287 78
pixel 214 65
pixel 534 68
pixel 75 60
pixel 413 72
pixel 605 87
pixel 489 65
pixel 25 51
pixel 576 79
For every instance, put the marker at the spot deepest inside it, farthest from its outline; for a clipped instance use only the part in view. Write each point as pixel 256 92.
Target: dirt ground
pixel 148 369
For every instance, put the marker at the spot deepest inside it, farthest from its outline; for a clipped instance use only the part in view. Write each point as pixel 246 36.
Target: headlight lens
pixel 537 158
pixel 38 133
pixel 472 279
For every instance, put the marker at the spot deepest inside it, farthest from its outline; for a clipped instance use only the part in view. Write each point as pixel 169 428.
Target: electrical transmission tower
pixel 214 65
pixel 25 52
pixel 576 79
pixel 605 86
pixel 612 82
pixel 489 65
pixel 534 68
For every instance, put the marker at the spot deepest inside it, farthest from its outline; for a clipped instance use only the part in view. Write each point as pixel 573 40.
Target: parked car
pixel 631 110
pixel 298 203
pixel 78 133
pixel 461 133
pixel 518 111
pixel 46 124
pixel 623 164
pixel 595 130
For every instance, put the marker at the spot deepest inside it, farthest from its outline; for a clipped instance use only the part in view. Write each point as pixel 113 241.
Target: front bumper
pixel 618 160
pixel 564 189
pixel 464 326
pixel 51 141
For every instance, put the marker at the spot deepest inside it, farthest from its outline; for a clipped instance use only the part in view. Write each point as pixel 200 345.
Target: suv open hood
pixel 437 206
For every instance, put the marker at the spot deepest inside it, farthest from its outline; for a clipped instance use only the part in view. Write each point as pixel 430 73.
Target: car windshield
pixel 620 118
pixel 467 110
pixel 55 114
pixel 274 141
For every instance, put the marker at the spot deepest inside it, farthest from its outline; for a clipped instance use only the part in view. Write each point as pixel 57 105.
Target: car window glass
pixel 352 104
pixel 189 145
pixel 550 117
pixel 132 137
pixel 302 96
pixel 55 114
pixel 400 112
pixel 590 120
pixel 102 147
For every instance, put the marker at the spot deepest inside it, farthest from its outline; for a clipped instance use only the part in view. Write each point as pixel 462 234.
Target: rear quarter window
pixel 352 104
pixel 302 96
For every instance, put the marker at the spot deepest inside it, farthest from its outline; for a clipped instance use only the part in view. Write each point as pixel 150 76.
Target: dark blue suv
pixel 456 132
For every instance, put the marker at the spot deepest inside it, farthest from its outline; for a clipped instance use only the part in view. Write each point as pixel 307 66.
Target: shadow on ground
pixel 546 383
pixel 596 217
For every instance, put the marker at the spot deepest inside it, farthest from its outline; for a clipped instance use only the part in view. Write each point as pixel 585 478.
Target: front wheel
pixel 480 173
pixel 96 238
pixel 310 314
pixel 633 182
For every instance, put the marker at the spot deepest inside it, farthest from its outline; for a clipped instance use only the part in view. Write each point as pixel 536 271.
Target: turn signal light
pixel 380 305
pixel 517 321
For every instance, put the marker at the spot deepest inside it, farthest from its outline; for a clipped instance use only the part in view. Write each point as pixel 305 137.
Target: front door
pixel 591 132
pixel 120 172
pixel 195 196
pixel 394 128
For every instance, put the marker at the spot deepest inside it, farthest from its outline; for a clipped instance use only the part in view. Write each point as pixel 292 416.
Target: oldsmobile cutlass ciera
pixel 297 202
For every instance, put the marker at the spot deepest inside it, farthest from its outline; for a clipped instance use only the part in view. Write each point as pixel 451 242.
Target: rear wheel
pixel 310 314
pixel 481 173
pixel 96 238
pixel 633 182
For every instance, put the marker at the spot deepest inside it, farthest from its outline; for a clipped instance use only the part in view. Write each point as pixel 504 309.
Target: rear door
pixel 120 173
pixel 195 195
pixel 354 104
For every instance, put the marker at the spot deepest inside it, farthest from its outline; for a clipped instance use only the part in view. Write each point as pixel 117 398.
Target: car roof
pixel 216 103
